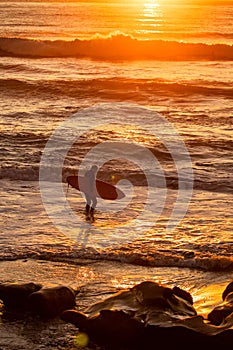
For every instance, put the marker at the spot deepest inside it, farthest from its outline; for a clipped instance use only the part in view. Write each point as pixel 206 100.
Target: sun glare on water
pixel 151 9
pixel 152 17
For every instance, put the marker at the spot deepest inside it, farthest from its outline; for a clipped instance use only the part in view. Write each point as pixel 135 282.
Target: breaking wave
pixel 184 259
pixel 115 47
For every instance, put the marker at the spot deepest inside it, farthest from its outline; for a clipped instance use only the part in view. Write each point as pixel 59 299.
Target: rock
pixel 119 330
pixel 229 297
pixel 224 338
pixel 151 293
pixel 183 294
pixel 150 300
pixel 148 291
pixel 147 316
pixel 109 327
pixel 175 338
pixel 117 325
pixel 227 290
pixel 125 315
pixel 50 302
pixel 218 315
pixel 159 304
pixel 15 295
pixel 79 319
pixel 183 338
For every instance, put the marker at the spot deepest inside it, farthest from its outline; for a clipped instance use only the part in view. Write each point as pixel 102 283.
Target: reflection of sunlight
pixel 152 13
pixel 151 18
pixel 151 8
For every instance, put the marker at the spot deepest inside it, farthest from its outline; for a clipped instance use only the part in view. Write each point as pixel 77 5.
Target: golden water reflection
pixel 151 9
pixel 152 17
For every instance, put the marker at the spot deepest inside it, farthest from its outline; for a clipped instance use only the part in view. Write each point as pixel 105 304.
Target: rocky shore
pixel 38 316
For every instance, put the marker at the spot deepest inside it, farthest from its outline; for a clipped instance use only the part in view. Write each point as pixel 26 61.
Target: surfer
pixel 91 200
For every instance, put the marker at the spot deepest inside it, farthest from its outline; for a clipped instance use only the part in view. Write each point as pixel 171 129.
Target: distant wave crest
pixel 31 173
pixel 115 47
pixel 113 87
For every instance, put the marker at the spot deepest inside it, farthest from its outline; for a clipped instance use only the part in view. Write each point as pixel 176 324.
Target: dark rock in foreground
pixel 150 302
pixel 50 302
pixel 15 295
pixel 46 302
pixel 149 316
pixel 228 290
pixel 220 313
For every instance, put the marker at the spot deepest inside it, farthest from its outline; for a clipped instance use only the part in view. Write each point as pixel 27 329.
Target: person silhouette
pixel 91 200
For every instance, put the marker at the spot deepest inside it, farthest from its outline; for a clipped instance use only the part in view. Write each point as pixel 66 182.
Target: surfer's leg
pixel 92 214
pixel 94 202
pixel 88 204
pixel 87 209
pixel 93 206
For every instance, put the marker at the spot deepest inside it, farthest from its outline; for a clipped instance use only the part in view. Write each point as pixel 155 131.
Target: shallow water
pixel 206 233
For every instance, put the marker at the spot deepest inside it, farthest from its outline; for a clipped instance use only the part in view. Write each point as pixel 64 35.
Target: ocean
pixel 150 83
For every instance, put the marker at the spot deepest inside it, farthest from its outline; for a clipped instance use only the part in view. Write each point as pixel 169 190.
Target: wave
pixel 115 47
pixel 20 165
pixel 204 35
pixel 112 88
pixel 31 173
pixel 185 259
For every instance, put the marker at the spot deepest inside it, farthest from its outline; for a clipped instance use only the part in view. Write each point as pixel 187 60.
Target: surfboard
pixel 104 189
